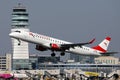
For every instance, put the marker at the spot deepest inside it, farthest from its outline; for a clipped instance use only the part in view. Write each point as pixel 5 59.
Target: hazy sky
pixel 71 20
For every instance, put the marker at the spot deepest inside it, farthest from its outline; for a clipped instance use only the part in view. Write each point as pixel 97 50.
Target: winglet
pixel 92 41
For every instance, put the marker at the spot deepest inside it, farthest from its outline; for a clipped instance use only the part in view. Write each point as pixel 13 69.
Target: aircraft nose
pixel 12 34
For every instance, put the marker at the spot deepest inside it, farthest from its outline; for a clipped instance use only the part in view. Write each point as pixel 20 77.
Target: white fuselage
pixel 45 41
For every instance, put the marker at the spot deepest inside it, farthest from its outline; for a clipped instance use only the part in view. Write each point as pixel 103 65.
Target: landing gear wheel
pixel 53 54
pixel 62 53
pixel 19 42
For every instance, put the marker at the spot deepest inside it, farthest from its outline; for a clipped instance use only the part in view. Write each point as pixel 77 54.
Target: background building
pixel 35 60
pixel 106 60
pixel 107 68
pixel 20 52
pixel 82 59
pixel 8 61
pixel 5 62
pixel 2 62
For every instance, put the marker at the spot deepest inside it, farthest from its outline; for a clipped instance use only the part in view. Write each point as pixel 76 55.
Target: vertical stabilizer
pixel 103 45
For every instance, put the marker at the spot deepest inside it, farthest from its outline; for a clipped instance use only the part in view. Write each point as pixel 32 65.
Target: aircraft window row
pixel 48 38
pixel 86 49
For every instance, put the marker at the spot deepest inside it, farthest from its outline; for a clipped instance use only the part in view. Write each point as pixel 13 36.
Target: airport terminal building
pixel 43 62
pixel 107 68
pixel 6 62
pixel 48 62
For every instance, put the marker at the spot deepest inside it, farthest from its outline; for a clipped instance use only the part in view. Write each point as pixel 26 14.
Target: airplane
pixel 44 43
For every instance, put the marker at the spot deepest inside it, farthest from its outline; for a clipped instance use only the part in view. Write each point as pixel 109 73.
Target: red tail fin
pixel 103 45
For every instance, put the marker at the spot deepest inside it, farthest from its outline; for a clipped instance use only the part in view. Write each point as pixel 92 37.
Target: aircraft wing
pixel 67 46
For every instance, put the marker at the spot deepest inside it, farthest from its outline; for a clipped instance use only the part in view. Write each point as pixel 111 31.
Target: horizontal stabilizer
pixel 108 53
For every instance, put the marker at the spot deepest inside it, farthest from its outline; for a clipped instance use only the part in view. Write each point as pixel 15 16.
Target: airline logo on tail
pixel 103 46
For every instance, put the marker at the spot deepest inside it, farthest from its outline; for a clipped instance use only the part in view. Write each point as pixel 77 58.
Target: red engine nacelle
pixel 40 48
pixel 55 46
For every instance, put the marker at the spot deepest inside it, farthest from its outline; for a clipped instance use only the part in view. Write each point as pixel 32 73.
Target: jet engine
pixel 40 48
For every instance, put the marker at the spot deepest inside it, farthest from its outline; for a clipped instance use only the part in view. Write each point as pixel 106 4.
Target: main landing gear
pixel 53 54
pixel 62 53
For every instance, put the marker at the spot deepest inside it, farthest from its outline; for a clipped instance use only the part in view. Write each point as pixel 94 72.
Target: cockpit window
pixel 18 31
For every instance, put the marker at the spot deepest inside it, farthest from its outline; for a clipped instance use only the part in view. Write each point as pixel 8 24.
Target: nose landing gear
pixel 19 42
